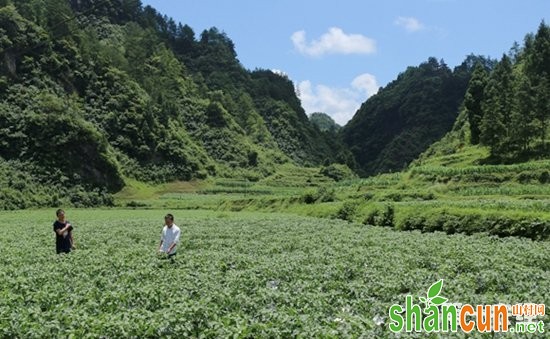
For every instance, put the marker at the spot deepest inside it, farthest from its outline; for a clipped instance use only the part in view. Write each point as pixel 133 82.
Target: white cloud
pixel 367 83
pixel 410 24
pixel 340 103
pixel 335 41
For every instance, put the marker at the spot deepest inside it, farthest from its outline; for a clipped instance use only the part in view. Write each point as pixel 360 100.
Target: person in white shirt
pixel 170 237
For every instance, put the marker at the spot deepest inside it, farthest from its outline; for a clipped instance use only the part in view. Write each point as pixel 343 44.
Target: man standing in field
pixel 170 237
pixel 63 233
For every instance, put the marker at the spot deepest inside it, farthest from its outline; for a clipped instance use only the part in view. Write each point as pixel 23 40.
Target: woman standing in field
pixel 63 233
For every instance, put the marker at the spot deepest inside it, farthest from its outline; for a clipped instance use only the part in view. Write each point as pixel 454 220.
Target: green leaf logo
pixel 438 300
pixel 435 289
pixel 432 297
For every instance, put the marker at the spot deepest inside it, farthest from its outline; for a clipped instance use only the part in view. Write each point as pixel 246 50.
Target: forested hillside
pixel 506 108
pixel 394 126
pixel 92 92
pixel 324 122
pixel 505 105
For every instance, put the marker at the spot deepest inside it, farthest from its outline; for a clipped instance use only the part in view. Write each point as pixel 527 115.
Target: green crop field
pixel 244 275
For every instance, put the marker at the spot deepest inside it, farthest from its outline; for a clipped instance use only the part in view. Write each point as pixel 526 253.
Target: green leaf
pixel 439 300
pixel 422 299
pixel 435 289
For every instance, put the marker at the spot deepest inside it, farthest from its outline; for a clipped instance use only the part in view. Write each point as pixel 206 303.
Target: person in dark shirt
pixel 63 233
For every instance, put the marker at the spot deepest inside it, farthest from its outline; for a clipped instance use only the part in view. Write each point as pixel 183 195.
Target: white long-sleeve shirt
pixel 169 236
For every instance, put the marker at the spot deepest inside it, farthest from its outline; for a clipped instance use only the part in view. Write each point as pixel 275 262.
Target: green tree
pixel 473 101
pixel 523 124
pixel 497 109
pixel 185 40
pixel 493 128
pixel 20 40
pixel 537 68
pixel 215 114
pixel 60 19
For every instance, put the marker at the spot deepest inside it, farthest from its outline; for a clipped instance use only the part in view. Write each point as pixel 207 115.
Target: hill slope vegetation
pixel 394 126
pixel 94 92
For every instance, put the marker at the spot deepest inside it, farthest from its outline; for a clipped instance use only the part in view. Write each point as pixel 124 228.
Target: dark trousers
pixel 172 257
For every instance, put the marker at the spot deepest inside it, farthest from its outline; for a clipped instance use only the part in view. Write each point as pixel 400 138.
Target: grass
pixel 211 194
pixel 463 156
pixel 244 275
pixel 508 198
pixel 136 190
pixel 292 176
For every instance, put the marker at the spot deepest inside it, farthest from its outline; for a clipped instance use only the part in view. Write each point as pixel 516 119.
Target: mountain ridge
pixel 94 94
pixel 156 103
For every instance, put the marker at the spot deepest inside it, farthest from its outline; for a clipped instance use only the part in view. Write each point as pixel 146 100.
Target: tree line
pixel 508 106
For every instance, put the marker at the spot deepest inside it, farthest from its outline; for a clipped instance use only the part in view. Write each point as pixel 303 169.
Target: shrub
pixel 407 196
pixel 471 223
pixel 326 195
pixel 338 172
pixel 322 194
pixel 544 177
pixel 384 217
pixel 368 196
pixel 371 218
pixel 527 177
pixel 309 197
pixel 347 211
pixel 136 204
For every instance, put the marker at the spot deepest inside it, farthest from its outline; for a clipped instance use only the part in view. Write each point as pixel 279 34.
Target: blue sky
pixel 339 52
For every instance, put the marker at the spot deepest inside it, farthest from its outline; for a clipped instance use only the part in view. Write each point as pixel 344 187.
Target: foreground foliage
pixel 248 275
